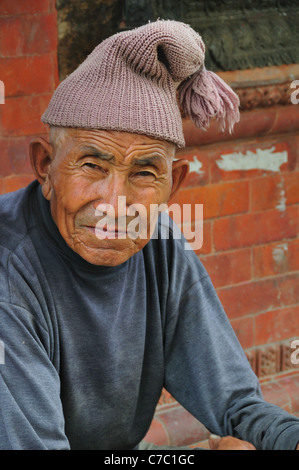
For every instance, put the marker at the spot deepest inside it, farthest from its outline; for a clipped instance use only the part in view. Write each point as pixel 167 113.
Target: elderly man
pixel 94 319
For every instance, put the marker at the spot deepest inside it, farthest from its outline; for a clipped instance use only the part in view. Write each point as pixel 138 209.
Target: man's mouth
pixel 111 232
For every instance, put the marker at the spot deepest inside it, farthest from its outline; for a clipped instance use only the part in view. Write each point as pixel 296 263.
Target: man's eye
pixel 91 165
pixel 95 169
pixel 145 173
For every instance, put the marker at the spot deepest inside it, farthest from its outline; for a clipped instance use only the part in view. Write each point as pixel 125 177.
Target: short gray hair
pixel 57 136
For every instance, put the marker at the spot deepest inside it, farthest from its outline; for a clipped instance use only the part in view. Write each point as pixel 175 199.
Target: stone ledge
pixel 262 76
pixel 255 123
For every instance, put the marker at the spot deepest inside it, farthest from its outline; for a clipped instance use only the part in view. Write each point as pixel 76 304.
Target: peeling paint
pixel 279 253
pixel 262 159
pixel 281 206
pixel 195 166
pixel 2 93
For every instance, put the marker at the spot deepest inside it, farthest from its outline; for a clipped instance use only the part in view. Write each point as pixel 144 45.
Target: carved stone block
pixel 268 360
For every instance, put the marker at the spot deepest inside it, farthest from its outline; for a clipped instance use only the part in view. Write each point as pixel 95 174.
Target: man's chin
pixel 109 255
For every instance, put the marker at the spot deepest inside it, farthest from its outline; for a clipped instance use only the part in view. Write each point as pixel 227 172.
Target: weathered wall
pixel 82 25
pixel 28 69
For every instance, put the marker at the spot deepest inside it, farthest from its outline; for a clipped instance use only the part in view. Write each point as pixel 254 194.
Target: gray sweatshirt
pixel 87 349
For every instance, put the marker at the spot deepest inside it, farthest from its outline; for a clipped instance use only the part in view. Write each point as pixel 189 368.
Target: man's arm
pixel 31 415
pixel 209 374
pixel 229 443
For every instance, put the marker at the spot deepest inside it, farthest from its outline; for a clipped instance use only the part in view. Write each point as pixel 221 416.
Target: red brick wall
pixel 28 69
pixel 251 227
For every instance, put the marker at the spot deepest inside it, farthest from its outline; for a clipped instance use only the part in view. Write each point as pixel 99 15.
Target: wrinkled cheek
pixel 62 217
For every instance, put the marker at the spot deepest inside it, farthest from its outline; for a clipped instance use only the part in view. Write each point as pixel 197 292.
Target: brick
pixel 15 182
pixel 28 34
pixel 276 258
pixel 157 433
pixel 297 153
pixel 15 155
pixel 244 329
pixel 267 193
pixel 26 6
pixel 206 247
pixel 218 199
pixel 292 187
pixel 244 230
pixel 246 299
pixel 166 399
pixel 275 393
pixel 260 296
pixel 277 325
pixel 22 115
pixel 6 166
pixel 286 119
pixel 275 191
pixel 293 142
pixel 229 268
pixel 199 166
pixel 28 75
pixel 288 290
pixel 291 387
pixel 182 428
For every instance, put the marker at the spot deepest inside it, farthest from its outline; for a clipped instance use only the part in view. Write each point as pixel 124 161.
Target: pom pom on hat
pixel 129 83
pixel 205 96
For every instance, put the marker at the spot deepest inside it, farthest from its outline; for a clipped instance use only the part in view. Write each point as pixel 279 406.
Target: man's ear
pixel 180 169
pixel 41 154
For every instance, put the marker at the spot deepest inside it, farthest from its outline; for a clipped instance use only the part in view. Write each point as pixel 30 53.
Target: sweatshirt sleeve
pixel 31 416
pixel 208 373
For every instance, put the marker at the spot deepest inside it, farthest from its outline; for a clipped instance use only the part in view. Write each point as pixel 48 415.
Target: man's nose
pixel 115 195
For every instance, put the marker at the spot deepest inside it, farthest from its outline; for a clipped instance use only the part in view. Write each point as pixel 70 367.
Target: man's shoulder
pixel 172 247
pixel 14 217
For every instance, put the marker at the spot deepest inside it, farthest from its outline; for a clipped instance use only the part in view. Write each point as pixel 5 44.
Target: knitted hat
pixel 131 80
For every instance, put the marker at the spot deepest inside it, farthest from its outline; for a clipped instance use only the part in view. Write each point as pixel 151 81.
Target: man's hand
pixel 229 443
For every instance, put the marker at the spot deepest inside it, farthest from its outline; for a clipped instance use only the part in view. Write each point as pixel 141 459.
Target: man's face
pixel 88 172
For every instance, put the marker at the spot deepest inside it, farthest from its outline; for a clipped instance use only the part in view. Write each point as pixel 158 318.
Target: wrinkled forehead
pixel 114 141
